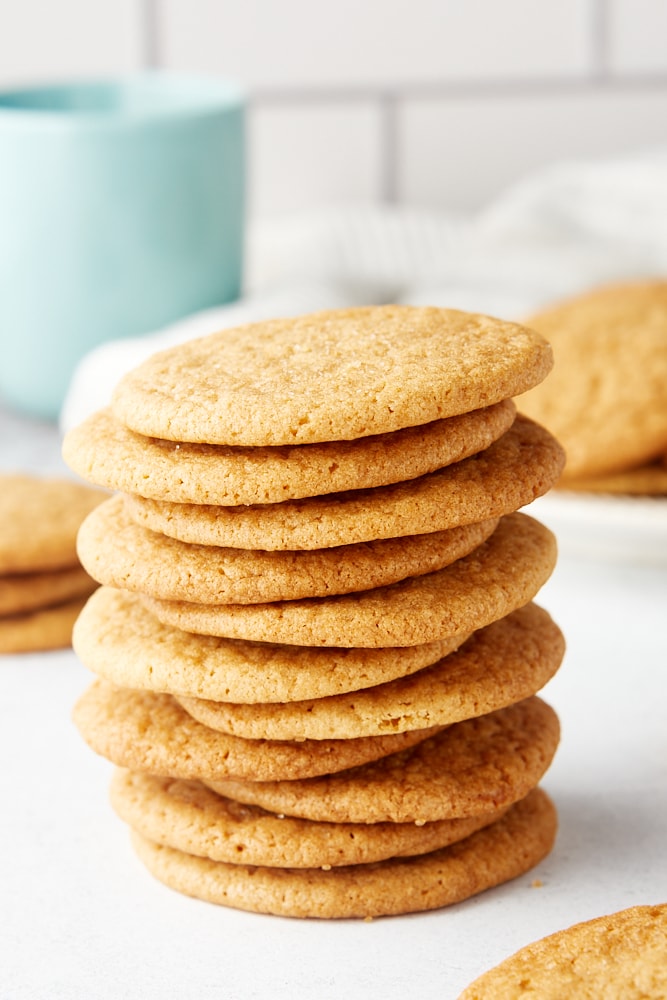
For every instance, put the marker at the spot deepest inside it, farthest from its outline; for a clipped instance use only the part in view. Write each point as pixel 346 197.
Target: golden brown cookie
pixel 191 818
pixel 502 574
pixel 118 639
pixel 464 770
pixel 647 480
pixel 329 376
pixel 622 956
pixel 499 665
pixel 104 451
pixel 151 732
pixel 499 852
pixel 606 399
pixel 21 592
pixel 523 464
pixel 120 553
pixel 43 629
pixel 39 519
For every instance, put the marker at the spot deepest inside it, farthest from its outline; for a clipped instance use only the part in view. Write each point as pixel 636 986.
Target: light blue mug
pixel 121 210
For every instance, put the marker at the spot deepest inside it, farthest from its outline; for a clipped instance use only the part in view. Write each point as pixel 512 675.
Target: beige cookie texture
pixel 467 769
pixel 39 519
pixel 502 851
pixel 500 575
pixel 647 480
pixel 120 553
pixel 26 591
pixel 120 641
pixel 330 376
pixel 606 399
pixel 524 464
pixel 103 451
pixel 43 629
pixel 191 818
pixel 150 732
pixel 621 956
pixel 501 664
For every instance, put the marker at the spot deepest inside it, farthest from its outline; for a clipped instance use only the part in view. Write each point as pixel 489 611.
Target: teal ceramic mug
pixel 121 210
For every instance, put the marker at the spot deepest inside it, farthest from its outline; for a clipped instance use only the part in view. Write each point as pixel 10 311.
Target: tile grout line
pixel 599 29
pixel 149 29
pixel 460 90
pixel 389 140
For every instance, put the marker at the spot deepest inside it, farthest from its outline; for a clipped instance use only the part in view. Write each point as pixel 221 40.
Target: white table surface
pixel 81 918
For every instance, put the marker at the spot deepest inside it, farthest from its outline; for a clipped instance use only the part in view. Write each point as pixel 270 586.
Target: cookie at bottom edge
pixel 620 956
pixel 496 854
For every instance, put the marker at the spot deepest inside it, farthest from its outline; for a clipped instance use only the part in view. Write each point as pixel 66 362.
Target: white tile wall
pixel 386 43
pixel 463 152
pixel 42 40
pixel 433 102
pixel 329 151
pixel 638 36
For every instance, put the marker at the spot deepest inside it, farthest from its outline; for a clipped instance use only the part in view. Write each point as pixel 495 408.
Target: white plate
pixel 618 528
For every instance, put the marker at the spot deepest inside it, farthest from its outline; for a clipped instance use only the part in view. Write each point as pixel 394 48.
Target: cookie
pixel 647 480
pixel 120 641
pixel 43 629
pixel 501 664
pixel 39 519
pixel 622 956
pixel 21 592
pixel 103 451
pixel 329 376
pixel 499 852
pixel 191 818
pixel 120 553
pixel 151 732
pixel 606 399
pixel 465 770
pixel 500 575
pixel 523 464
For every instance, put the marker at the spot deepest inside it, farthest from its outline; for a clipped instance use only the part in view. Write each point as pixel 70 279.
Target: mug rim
pixel 115 101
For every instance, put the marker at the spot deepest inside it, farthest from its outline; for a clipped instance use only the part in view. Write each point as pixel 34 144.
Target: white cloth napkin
pixel 559 231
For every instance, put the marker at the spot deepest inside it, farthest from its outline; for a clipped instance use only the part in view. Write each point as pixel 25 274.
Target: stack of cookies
pixel 42 583
pixel 316 650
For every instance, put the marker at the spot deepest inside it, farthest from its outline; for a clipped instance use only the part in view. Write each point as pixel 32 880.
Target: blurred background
pixel 431 103
pixel 492 155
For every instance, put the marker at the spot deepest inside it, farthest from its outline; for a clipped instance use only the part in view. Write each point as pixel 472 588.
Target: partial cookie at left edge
pixel 39 519
pixel 44 629
pixel 22 592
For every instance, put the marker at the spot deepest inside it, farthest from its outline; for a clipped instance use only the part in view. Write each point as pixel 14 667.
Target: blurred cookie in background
pixel 646 480
pixel 42 583
pixel 606 397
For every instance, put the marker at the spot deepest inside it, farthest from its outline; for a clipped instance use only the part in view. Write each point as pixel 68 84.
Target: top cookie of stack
pixel 309 508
